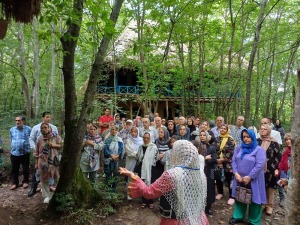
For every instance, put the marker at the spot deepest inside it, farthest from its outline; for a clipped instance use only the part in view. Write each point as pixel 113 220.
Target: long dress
pixel 138 188
pixel 273 159
pixel 209 170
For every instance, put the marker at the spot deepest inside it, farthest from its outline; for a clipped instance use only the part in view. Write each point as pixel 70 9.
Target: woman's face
pixel 146 138
pixel 288 142
pixel 190 121
pixel 45 129
pixel 204 126
pixel 172 140
pixel 161 134
pixel 202 136
pixel 223 130
pixel 277 122
pixel 246 138
pixel 114 131
pixel 263 131
pixel 182 130
pixel 92 131
pixel 170 126
pixel 134 133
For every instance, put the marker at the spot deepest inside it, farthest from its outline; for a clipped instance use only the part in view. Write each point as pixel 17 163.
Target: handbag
pixel 243 193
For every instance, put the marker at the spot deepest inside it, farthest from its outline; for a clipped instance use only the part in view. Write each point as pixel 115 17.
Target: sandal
pixel 143 206
pixel 151 206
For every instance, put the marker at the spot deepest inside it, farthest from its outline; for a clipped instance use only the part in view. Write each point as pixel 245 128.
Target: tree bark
pixel 293 194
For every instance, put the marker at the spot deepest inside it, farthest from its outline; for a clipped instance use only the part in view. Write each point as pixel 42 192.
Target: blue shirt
pixel 19 138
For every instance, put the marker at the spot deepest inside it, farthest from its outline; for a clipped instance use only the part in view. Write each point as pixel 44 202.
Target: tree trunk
pixel 25 86
pixel 36 92
pixel 293 194
pixel 251 61
pixel 72 181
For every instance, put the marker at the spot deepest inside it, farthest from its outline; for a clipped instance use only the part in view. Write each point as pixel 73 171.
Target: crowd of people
pixel 184 162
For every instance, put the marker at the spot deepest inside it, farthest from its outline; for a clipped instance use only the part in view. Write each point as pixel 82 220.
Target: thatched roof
pixel 129 36
pixel 20 10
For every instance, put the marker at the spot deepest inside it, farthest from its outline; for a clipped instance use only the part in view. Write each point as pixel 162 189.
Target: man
pixel 197 122
pixel 35 134
pixel 125 133
pixel 147 129
pixel 19 152
pixel 274 133
pixel 104 120
pixel 158 123
pixel 235 130
pixel 216 129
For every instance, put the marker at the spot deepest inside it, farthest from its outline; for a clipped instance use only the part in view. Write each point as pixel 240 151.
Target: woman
pixel 182 133
pixel 284 166
pixel 118 121
pixel 183 187
pixel 172 128
pixel 205 126
pixel 166 160
pixel 46 160
pixel 209 153
pixel 147 157
pixel 248 164
pixel 92 145
pixel 225 147
pixel 162 144
pixel 113 149
pixel 272 150
pixel 279 128
pixel 193 129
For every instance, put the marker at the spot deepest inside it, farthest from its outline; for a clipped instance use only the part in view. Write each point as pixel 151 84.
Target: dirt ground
pixel 18 209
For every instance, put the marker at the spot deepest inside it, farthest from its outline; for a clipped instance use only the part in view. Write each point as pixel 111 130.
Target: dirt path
pixel 18 209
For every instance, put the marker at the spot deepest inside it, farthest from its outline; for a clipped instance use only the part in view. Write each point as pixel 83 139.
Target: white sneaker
pixel 46 200
pixel 231 201
pixel 219 196
pixel 129 198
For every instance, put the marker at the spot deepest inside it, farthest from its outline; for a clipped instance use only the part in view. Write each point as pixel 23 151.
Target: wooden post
pixel 167 110
pixel 130 112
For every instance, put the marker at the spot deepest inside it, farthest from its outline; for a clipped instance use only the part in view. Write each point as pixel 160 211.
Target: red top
pixel 105 120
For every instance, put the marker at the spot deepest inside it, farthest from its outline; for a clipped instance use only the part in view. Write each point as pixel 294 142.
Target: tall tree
pixel 72 180
pixel 293 196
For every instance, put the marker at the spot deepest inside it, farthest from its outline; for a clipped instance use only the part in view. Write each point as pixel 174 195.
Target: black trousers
pixel 219 183
pixel 16 161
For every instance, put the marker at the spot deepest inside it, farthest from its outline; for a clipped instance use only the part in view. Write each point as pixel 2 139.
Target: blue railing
pixel 137 90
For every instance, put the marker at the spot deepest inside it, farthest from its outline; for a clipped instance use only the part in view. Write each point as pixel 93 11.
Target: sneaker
pixel 129 198
pixel 46 200
pixel 13 187
pixel 219 196
pixel 231 201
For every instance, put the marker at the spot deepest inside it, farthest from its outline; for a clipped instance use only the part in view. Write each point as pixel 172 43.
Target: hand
pixel 284 181
pixel 238 177
pixel 126 172
pixel 89 142
pixel 220 161
pixel 246 180
pixel 161 155
pixel 50 144
pixel 208 157
pixel 276 173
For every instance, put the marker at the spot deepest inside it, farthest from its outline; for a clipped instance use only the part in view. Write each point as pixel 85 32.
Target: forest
pixel 243 53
